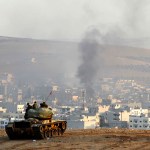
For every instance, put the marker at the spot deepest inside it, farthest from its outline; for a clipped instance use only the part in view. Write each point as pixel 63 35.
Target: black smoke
pixel 89 50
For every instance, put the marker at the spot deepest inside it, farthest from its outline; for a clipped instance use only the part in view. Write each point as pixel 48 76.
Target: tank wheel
pixel 62 131
pixel 63 128
pixel 59 131
pixel 47 134
pixel 51 133
pixel 63 125
pixel 54 132
pixel 42 134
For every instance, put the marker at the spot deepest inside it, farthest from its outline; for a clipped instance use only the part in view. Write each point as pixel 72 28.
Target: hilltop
pixel 115 61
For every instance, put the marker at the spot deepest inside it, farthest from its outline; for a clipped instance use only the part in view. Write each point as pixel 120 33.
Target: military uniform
pixel 44 105
pixel 35 106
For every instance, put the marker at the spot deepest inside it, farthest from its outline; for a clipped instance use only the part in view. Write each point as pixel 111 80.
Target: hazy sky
pixel 70 19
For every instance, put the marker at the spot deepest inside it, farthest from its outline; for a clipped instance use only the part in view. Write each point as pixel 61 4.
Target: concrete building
pixel 111 119
pixel 3 122
pixel 124 116
pixel 139 112
pixel 3 110
pixel 12 116
pixel 20 108
pixel 103 108
pixel 86 122
pixel 7 117
pixel 135 105
pixel 75 124
pixel 91 122
pixel 139 122
pixel 20 95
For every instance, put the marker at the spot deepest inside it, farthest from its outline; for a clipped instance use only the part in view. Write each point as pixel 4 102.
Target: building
pixel 139 122
pixel 20 108
pixel 124 115
pixel 103 108
pixel 12 116
pixel 90 122
pixel 139 112
pixel 19 95
pixel 2 110
pixel 3 122
pixel 111 119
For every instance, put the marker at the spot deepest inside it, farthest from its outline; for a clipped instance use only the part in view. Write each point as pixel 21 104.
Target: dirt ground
pixel 90 139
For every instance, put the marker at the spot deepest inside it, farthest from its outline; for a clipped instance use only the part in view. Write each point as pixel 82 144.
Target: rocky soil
pixel 90 139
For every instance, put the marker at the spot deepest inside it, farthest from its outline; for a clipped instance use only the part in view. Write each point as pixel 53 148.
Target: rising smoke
pixel 87 71
pixel 91 49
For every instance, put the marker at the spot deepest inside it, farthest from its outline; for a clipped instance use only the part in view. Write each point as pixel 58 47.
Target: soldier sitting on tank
pixel 50 108
pixel 28 107
pixel 43 105
pixel 35 106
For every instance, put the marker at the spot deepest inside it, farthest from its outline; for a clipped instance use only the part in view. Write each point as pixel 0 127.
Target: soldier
pixel 28 107
pixel 44 105
pixel 35 106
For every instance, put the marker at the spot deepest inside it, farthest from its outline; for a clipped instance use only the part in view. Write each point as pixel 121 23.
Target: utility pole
pixel 83 98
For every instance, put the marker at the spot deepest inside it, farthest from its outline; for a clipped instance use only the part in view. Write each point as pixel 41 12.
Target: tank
pixel 38 124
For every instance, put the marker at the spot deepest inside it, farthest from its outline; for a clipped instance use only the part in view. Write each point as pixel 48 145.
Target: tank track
pixel 36 131
pixel 44 131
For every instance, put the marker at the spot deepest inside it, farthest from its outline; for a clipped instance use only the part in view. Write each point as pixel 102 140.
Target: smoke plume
pixel 88 69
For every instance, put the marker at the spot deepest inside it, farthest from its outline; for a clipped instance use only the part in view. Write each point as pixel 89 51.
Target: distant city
pixel 114 103
pixel 88 84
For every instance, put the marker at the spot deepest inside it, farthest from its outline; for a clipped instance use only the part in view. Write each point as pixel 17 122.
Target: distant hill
pixel 52 58
pixel 38 60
